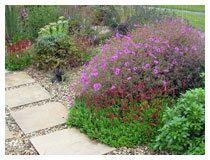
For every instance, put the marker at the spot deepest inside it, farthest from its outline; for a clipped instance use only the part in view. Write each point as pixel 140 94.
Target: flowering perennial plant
pixel 18 55
pixel 109 117
pixel 169 51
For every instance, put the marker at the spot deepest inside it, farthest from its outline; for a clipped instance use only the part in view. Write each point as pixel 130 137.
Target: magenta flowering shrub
pixel 169 52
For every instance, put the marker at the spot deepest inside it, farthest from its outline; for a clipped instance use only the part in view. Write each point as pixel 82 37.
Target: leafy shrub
pixel 184 128
pixel 37 17
pixel 119 119
pixel 55 51
pixel 18 55
pixel 168 52
pixel 105 15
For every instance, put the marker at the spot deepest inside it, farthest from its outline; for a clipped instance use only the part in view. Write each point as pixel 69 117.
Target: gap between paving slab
pixel 17 78
pixel 25 95
pixel 68 142
pixel 40 117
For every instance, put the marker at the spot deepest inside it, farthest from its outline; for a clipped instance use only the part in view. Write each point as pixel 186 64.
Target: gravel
pixel 20 144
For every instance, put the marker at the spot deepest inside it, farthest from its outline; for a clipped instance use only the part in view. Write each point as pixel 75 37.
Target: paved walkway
pixel 63 142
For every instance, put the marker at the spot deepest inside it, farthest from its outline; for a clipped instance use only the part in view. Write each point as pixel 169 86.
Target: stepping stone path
pixel 23 90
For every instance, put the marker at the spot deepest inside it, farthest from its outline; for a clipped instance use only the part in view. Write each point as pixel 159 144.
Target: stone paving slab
pixel 6 71
pixel 7 133
pixel 17 78
pixel 68 142
pixel 25 94
pixel 40 117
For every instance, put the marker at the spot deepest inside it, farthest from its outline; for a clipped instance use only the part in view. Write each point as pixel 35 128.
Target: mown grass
pixel 193 8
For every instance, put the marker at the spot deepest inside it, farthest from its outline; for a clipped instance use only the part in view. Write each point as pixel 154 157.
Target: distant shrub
pixel 184 128
pixel 169 52
pixel 55 51
pixel 18 55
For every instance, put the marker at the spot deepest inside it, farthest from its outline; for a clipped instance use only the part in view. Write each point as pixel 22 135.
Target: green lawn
pixel 193 8
pixel 198 21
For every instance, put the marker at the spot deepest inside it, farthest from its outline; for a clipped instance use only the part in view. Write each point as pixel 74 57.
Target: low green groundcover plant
pixel 119 119
pixel 184 128
pixel 18 55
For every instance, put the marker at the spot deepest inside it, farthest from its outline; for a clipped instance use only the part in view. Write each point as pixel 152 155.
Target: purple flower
pixel 84 65
pixel 126 63
pixel 128 78
pixel 189 29
pixel 143 67
pixel 69 99
pixel 128 69
pixel 113 87
pixel 69 83
pixel 151 39
pixel 84 26
pixel 134 53
pixel 132 60
pixel 166 70
pixel 156 21
pixel 73 88
pixel 157 41
pixel 181 52
pixel 146 45
pixel 158 49
pixel 177 48
pixel 72 104
pixel 147 65
pixel 134 68
pixel 81 26
pixel 69 18
pixel 95 37
pixel 168 46
pixel 155 61
pixel 155 71
pixel 25 15
pixel 83 88
pixel 155 47
pixel 163 48
pixel 179 19
pixel 165 42
pixel 194 48
pixel 174 62
pixel 96 86
pixel 164 82
pixel 117 71
pixel 186 48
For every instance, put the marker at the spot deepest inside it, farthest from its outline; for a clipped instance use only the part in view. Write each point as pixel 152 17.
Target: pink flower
pixel 169 46
pixel 174 62
pixel 194 48
pixel 147 65
pixel 128 69
pixel 83 88
pixel 146 45
pixel 73 88
pixel 72 104
pixel 117 71
pixel 154 47
pixel 143 67
pixel 158 49
pixel 129 78
pixel 189 29
pixel 69 99
pixel 151 39
pixel 186 48
pixel 165 42
pixel 113 87
pixel 163 48
pixel 164 82
pixel 134 53
pixel 157 41
pixel 155 61
pixel 126 63
pixel 134 68
pixel 156 21
pixel 96 86
pixel 155 71
pixel 166 70
pixel 69 83
pixel 25 15
pixel 177 48
pixel 181 52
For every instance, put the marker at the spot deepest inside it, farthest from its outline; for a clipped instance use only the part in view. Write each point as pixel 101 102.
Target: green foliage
pixel 38 17
pixel 17 61
pixel 203 77
pixel 184 128
pixel 11 23
pixel 54 51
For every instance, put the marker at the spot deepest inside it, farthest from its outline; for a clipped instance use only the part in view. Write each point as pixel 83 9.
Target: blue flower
pixel 95 36
pixel 84 26
pixel 81 26
pixel 69 17
pixel 61 22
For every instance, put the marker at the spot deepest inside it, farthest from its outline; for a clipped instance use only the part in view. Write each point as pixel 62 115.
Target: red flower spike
pixel 99 97
pixel 139 110
pixel 156 102
pixel 124 119
pixel 136 88
pixel 136 117
pixel 152 123
pixel 121 102
pixel 142 120
pixel 125 112
pixel 117 115
pixel 113 101
pixel 131 111
pixel 128 118
pixel 145 106
pixel 101 106
pixel 169 101
pixel 151 97
pixel 117 89
pixel 148 131
pixel 173 93
pixel 131 99
pixel 161 102
pixel 151 91
pixel 134 107
pixel 137 96
pixel 97 109
pixel 125 86
pixel 158 108
pixel 107 114
pixel 150 106
pixel 126 103
pixel 112 116
pixel 184 83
